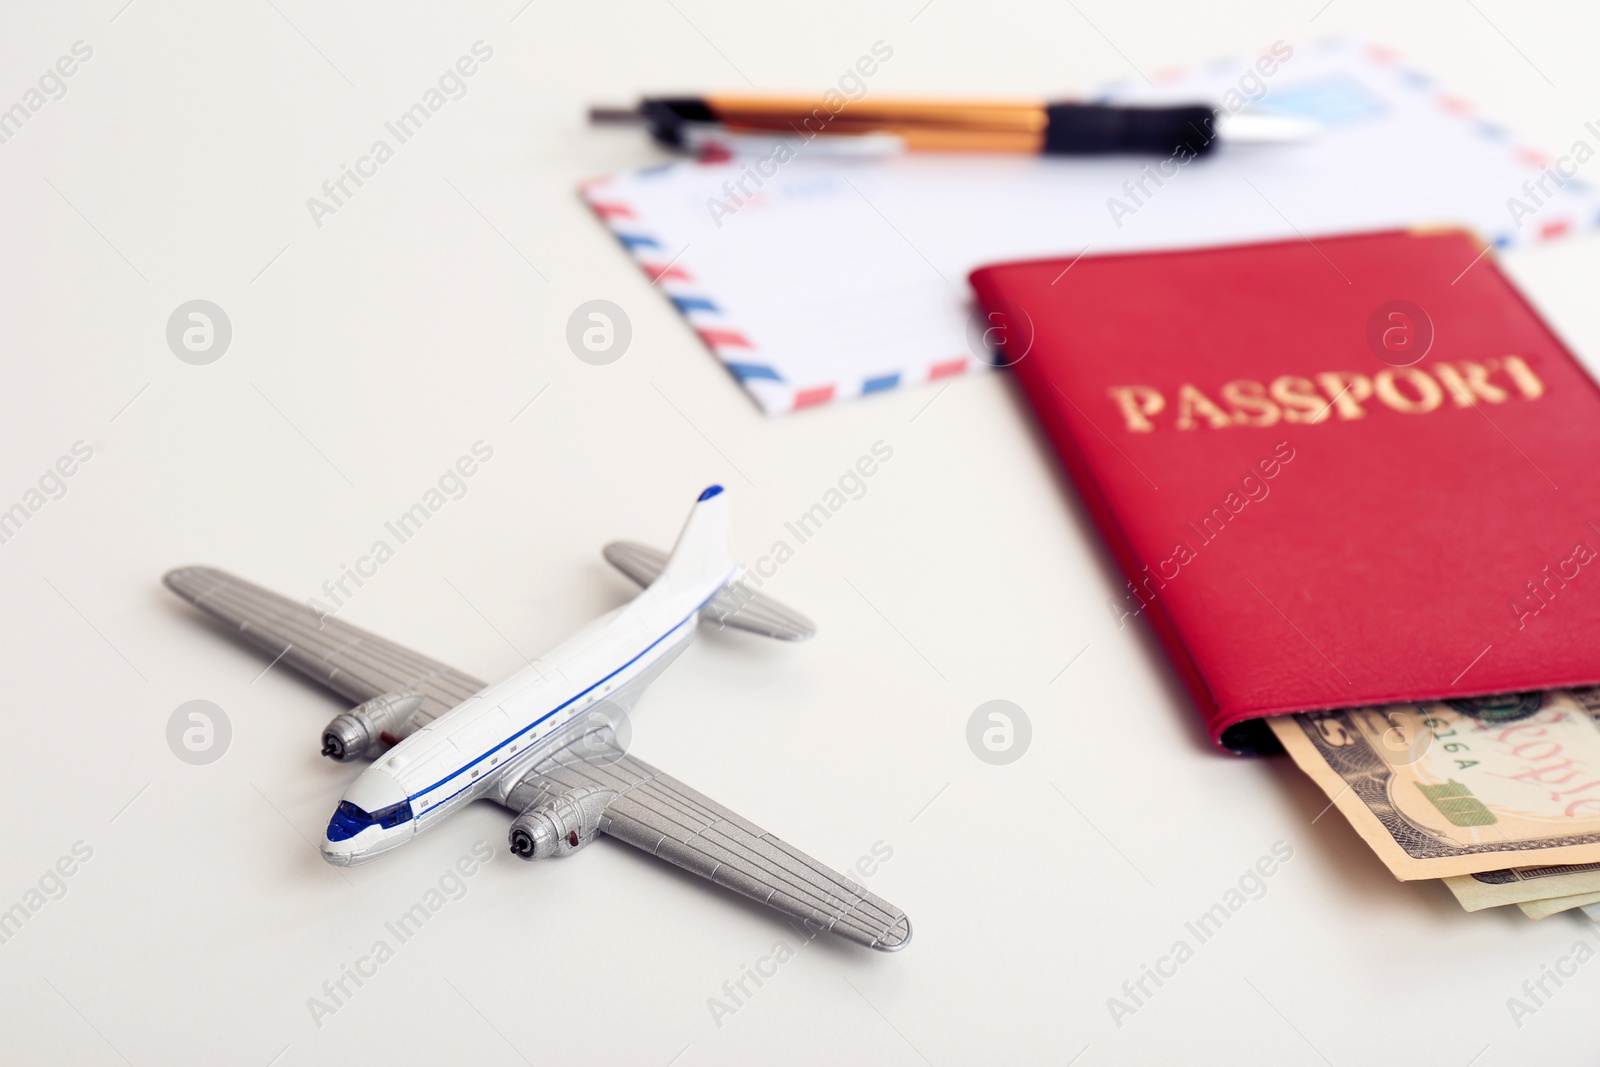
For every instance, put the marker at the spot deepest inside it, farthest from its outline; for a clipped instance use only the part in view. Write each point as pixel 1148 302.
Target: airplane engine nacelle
pixel 364 730
pixel 560 826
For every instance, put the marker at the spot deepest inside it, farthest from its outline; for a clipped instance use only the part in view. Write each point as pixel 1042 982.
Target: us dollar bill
pixel 1458 787
pixel 1515 885
pixel 1541 909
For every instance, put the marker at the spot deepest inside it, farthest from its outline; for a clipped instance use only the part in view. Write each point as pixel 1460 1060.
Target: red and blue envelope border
pixel 775 394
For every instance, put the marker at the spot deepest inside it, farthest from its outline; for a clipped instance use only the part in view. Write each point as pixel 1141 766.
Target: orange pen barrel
pixel 922 124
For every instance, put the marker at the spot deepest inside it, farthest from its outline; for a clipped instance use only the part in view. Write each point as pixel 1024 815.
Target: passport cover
pixel 1356 471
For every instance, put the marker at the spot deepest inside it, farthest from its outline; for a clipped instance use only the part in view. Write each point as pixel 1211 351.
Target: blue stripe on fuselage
pixel 468 766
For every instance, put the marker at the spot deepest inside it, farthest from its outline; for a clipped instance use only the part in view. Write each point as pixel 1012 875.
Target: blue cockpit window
pixel 349 820
pixel 394 815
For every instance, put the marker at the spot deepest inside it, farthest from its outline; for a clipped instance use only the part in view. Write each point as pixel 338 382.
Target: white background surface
pixel 422 317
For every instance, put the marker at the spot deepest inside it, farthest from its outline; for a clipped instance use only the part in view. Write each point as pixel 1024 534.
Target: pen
pixel 1025 126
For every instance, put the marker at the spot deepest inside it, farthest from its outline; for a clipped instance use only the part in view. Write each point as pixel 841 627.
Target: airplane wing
pixel 354 663
pixel 658 814
pixel 737 605
pixel 651 811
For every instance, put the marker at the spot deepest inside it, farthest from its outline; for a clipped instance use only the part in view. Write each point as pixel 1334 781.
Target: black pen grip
pixel 1099 129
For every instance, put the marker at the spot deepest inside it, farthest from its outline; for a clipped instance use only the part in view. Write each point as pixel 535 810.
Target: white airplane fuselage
pixel 486 742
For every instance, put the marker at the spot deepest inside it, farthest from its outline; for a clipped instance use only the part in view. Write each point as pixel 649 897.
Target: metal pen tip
pixel 1265 127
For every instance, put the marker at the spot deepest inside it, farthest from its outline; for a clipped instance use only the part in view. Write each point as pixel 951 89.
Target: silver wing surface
pixel 651 811
pixel 354 663
pixel 658 814
pixel 737 605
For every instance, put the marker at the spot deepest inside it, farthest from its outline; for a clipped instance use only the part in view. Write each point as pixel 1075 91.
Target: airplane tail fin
pixel 703 555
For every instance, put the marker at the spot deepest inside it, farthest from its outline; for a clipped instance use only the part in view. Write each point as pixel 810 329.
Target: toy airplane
pixel 542 743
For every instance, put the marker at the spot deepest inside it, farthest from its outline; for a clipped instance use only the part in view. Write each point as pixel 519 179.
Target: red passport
pixel 1356 471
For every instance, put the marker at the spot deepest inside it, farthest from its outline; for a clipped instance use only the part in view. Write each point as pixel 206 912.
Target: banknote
pixel 1490 889
pixel 1540 909
pixel 1459 787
